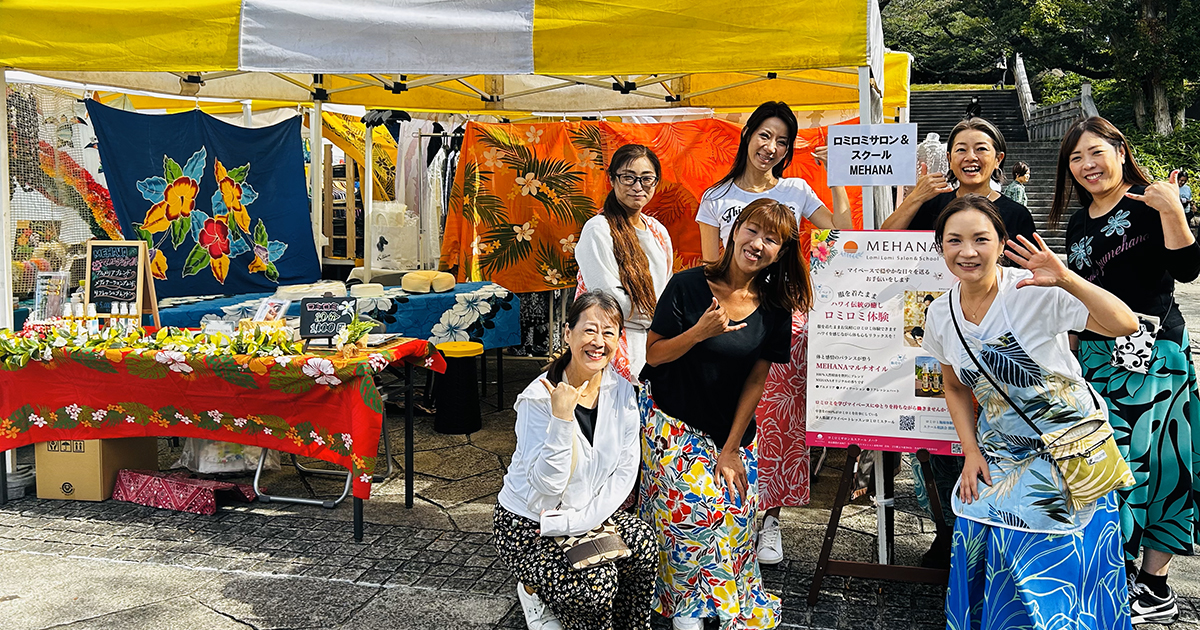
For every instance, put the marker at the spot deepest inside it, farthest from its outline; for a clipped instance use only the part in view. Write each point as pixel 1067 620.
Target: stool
pixel 456 393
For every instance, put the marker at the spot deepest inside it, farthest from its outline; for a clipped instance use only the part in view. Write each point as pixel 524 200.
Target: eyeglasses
pixel 648 181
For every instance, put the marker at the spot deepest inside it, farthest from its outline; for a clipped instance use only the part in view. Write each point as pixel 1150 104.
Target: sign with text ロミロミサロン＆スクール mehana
pixel 873 155
pixel 869 382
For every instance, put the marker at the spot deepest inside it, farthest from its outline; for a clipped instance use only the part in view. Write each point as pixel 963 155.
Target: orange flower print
pixel 158 264
pixel 178 201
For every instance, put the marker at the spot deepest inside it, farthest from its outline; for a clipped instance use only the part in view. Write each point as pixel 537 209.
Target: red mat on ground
pixel 177 491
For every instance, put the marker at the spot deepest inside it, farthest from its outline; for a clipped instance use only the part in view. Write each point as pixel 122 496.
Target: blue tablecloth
pixel 472 311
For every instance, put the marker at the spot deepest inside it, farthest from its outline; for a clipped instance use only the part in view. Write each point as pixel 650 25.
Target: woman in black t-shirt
pixel 976 154
pixel 1129 236
pixel 715 333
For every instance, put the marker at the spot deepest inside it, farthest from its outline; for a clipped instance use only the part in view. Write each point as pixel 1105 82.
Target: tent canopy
pixel 459 55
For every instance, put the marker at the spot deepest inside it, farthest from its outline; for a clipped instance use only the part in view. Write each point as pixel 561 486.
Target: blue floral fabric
pixel 1004 579
pixel 472 311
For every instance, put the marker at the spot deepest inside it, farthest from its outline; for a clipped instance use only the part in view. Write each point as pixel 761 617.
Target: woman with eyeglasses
pixel 764 152
pixel 626 253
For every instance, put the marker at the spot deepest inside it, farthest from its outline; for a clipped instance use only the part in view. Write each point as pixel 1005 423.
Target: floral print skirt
pixel 708 566
pixel 1004 579
pixel 782 450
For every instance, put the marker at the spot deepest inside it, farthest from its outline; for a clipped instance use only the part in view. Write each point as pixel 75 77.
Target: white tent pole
pixel 864 118
pixel 6 312
pixel 247 115
pixel 368 188
pixel 315 155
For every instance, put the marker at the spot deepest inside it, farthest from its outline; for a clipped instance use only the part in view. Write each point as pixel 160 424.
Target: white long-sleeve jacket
pixel 540 480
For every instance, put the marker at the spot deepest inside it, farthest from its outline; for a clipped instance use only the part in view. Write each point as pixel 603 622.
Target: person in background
pixel 716 332
pixel 1129 236
pixel 627 253
pixel 578 428
pixel 766 148
pixel 1024 555
pixel 975 151
pixel 1015 189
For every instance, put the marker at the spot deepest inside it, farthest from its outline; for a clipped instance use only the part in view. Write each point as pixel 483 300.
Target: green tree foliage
pixel 1149 48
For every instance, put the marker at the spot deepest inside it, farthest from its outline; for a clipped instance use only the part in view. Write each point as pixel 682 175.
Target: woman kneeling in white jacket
pixel 577 458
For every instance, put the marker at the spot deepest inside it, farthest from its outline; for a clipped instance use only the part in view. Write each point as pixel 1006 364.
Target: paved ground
pixel 118 565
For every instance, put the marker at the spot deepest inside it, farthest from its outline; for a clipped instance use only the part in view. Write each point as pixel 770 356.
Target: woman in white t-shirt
pixel 1023 554
pixel 765 151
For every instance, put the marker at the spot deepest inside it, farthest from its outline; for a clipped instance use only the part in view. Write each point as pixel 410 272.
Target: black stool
pixel 456 392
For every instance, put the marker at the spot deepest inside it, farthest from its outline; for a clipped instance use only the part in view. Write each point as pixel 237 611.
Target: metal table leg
pixel 483 375
pixel 4 455
pixel 408 435
pixel 267 498
pixel 358 519
pixel 499 378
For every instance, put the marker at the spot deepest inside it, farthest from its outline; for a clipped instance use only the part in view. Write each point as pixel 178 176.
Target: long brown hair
pixel 632 264
pixel 784 283
pixel 1065 183
pixel 607 304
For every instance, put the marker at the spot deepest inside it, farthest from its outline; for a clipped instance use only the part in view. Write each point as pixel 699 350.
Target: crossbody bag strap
pixel 995 385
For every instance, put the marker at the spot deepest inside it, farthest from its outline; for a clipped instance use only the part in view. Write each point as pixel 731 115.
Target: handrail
pixel 1024 91
pixel 1050 122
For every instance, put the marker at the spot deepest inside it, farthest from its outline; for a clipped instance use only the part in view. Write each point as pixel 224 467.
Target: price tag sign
pixel 325 316
pixel 873 155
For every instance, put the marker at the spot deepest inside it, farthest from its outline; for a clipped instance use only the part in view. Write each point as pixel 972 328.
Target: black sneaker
pixel 1146 607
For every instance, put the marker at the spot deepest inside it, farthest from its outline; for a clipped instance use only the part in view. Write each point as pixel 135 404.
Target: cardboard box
pixel 86 470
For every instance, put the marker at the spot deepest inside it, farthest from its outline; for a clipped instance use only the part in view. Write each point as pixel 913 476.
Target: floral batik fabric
pixel 783 465
pixel 708 566
pixel 1156 423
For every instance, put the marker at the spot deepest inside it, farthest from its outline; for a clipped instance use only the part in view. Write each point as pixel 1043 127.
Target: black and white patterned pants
pixel 614 596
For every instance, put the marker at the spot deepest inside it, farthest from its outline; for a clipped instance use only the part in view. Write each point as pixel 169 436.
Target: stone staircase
pixel 1042 158
pixel 939 111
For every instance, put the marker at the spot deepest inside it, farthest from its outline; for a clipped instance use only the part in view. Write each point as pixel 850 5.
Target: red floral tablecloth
pixel 317 405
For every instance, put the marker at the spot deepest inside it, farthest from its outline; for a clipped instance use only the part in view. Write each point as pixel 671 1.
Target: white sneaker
pixel 537 614
pixel 687 623
pixel 770 542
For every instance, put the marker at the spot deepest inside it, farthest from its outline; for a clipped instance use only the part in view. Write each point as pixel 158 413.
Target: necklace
pixel 973 317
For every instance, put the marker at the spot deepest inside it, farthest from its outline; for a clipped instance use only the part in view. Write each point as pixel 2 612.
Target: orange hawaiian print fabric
pixel 522 192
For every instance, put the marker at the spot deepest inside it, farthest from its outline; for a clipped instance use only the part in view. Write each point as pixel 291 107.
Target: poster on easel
pixel 869 382
pixel 119 272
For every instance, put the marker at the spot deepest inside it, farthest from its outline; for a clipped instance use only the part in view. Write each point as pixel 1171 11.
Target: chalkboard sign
pixel 119 271
pixel 325 316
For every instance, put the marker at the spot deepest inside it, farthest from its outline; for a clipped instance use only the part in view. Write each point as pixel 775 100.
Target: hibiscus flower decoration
pixel 534 135
pixel 321 370
pixel 214 237
pixel 231 192
pixel 553 276
pixel 179 199
pixel 491 158
pixel 528 184
pixel 568 244
pixel 174 360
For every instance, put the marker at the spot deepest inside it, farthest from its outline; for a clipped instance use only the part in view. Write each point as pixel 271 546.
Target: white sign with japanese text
pixel 873 155
pixel 869 382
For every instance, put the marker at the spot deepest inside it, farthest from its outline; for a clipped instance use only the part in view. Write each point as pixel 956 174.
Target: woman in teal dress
pixel 1024 556
pixel 1130 236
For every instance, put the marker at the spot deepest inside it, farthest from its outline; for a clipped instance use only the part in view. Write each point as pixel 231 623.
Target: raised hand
pixel 1162 196
pixel 929 185
pixel 1048 269
pixel 715 322
pixel 821 155
pixel 564 398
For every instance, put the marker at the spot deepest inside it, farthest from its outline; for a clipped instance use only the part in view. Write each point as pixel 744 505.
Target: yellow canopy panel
pixel 547 37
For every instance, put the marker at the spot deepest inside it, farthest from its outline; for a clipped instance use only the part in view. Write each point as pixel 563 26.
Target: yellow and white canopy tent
pixel 483 56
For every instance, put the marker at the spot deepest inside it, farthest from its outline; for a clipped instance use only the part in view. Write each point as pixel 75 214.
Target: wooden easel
pixel 893 572
pixel 146 300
